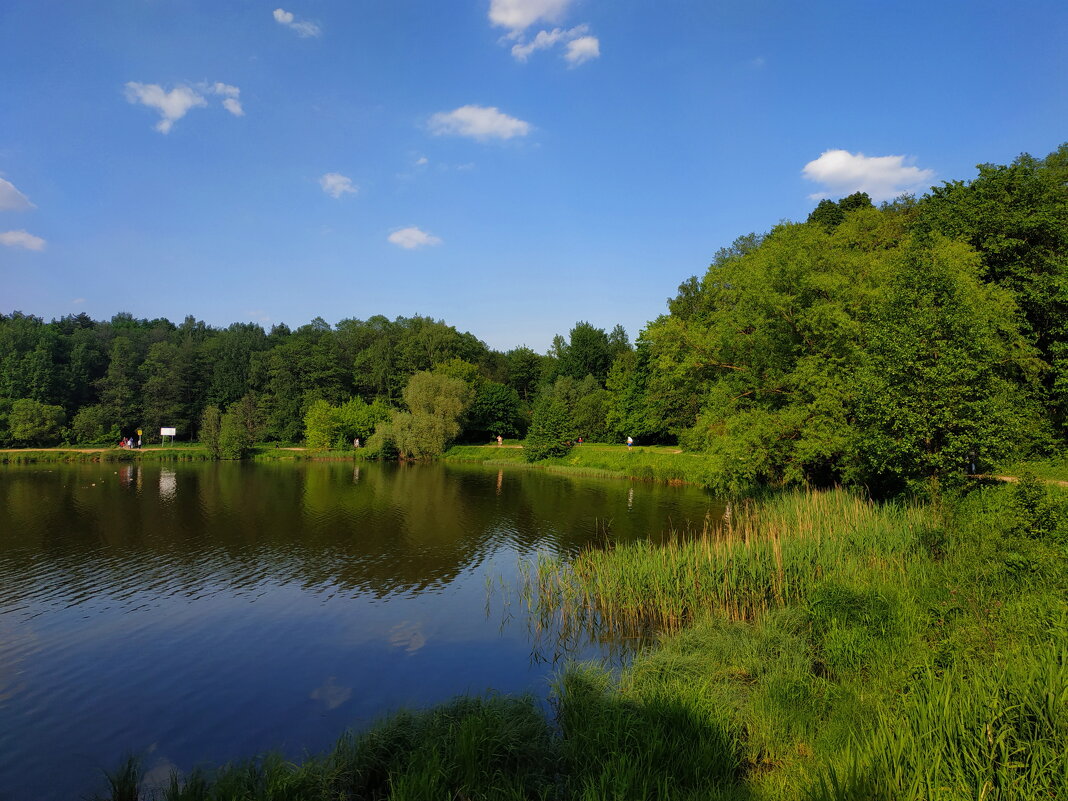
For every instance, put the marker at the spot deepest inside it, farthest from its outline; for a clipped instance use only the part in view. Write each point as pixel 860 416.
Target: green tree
pixel 211 430
pixel 495 410
pixel 234 439
pixel 946 376
pixel 524 369
pixel 588 352
pixel 31 422
pixel 550 431
pixel 92 425
pixel 119 391
pixel 436 405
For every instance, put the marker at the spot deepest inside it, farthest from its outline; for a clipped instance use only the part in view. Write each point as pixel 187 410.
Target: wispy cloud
pixel 580 48
pixel 21 239
pixel 11 199
pixel 411 238
pixel 882 177
pixel 335 184
pixel 303 28
pixel 478 122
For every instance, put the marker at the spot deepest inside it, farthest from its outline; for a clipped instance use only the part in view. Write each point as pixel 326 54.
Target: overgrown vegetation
pixel 815 645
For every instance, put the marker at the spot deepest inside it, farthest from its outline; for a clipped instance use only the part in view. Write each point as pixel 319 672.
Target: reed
pixel 762 557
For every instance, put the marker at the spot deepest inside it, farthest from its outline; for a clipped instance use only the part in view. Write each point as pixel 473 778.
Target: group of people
pixel 130 442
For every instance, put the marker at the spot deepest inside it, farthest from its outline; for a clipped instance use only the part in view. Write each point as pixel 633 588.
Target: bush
pixel 93 425
pixel 550 431
pixel 35 423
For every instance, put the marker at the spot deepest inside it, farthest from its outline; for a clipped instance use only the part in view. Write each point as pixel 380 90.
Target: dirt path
pixel 1014 479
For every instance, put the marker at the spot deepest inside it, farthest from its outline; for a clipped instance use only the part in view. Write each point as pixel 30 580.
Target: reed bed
pixel 760 557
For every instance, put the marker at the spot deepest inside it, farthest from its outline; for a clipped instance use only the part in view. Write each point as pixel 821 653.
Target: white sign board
pixel 168 432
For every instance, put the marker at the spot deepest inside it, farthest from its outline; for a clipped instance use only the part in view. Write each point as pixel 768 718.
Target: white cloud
pixel 546 39
pixel 21 239
pixel 518 15
pixel 11 199
pixel 411 237
pixel 172 105
pixel 78 301
pixel 303 28
pixel 231 98
pixel 882 177
pixel 583 49
pixel 478 122
pixel 335 184
pixel 422 161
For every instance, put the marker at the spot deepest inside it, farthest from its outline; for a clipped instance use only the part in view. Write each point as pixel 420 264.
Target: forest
pixel 893 347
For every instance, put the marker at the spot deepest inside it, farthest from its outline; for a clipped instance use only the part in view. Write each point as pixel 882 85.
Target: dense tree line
pixel 885 346
pixel 81 381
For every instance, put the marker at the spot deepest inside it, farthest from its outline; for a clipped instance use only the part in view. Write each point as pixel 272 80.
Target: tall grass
pixel 762 557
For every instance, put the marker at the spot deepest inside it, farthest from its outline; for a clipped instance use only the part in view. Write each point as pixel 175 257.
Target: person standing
pixel 630 442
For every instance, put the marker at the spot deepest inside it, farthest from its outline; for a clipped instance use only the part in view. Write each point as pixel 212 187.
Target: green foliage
pixel 550 431
pixel 1038 514
pixel 437 402
pixel 211 430
pixel 327 426
pixel 1016 218
pixel 587 352
pixel 524 368
pixel 92 425
pixel 495 410
pixel 234 442
pixel 33 423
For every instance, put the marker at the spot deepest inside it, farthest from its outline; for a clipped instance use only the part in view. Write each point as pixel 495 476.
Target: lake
pixel 201 612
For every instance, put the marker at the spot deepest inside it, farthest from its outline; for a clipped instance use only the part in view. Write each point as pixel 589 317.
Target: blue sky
pixel 510 166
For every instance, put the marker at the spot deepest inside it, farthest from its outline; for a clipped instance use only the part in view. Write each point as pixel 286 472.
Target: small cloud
pixel 882 177
pixel 21 239
pixel 580 47
pixel 172 105
pixel 231 98
pixel 303 28
pixel 478 122
pixel 77 302
pixel 335 184
pixel 422 161
pixel 757 63
pixel 518 15
pixel 11 199
pixel 411 238
pixel 583 49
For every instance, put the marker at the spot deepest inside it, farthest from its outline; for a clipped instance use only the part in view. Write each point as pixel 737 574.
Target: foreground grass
pixel 816 647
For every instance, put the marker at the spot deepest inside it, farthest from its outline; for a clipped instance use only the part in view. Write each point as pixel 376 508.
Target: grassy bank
pixel 169 453
pixel 817 647
pixel 595 459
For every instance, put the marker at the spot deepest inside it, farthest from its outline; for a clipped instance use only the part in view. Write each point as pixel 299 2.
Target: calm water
pixel 206 612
